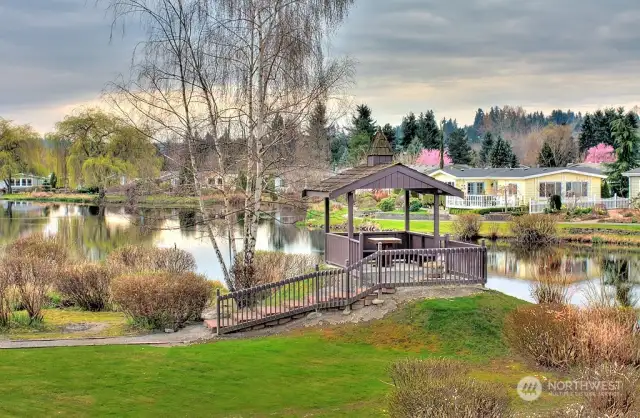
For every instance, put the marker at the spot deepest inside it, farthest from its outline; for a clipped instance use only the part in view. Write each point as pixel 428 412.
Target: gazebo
pixel 380 172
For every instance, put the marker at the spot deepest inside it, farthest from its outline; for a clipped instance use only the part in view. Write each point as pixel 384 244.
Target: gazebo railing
pixel 273 303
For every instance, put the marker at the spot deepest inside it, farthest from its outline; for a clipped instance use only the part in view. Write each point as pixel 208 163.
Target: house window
pixel 475 188
pixel 211 181
pixel 29 182
pixel 23 182
pixel 13 182
pixel 577 189
pixel 548 189
pixel 512 189
pixel 219 180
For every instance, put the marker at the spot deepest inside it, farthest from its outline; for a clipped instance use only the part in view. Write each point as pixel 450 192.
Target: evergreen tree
pixel 546 157
pixel 359 145
pixel 339 148
pixel 501 154
pixel 318 133
pixel 363 122
pixel 390 132
pixel 409 130
pixel 514 160
pixel 587 134
pixel 458 147
pixel 428 130
pixel 624 131
pixel 485 151
pixel 415 147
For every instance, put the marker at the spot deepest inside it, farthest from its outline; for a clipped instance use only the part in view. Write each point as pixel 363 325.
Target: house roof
pixel 383 176
pixel 632 173
pixel 520 173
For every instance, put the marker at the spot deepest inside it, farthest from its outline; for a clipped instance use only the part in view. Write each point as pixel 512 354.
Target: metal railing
pixel 272 303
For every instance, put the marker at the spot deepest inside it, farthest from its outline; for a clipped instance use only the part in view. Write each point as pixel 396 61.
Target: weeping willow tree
pixel 240 66
pixel 20 149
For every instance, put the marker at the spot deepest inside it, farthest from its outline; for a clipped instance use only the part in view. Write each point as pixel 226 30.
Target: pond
pixel 614 271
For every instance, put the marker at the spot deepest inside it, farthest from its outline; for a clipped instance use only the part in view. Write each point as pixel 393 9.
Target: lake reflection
pixel 510 271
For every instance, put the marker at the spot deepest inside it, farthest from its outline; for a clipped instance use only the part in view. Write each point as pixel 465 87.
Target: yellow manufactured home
pixel 488 187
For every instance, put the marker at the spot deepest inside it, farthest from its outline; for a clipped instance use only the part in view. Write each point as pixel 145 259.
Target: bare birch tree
pixel 254 68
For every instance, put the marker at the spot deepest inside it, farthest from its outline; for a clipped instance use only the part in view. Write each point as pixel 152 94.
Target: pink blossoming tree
pixel 432 157
pixel 601 153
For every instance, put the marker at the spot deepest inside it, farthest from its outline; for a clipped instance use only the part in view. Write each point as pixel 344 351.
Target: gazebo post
pixel 350 214
pixel 436 219
pixel 407 219
pixel 327 226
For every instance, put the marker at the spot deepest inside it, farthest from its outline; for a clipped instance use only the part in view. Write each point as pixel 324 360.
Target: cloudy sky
pixel 452 56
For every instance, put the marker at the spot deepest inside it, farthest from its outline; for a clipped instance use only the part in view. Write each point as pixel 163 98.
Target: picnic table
pixel 387 243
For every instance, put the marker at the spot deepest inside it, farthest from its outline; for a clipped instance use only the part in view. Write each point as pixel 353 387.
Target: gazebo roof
pixel 380 145
pixel 383 176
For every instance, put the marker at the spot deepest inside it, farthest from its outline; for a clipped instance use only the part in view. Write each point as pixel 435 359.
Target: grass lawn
pixel 338 371
pixel 605 232
pixel 106 324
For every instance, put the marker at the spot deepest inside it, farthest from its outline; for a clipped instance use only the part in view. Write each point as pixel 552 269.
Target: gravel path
pixel 188 335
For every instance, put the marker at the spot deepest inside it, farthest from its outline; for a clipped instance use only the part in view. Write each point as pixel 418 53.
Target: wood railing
pixel 272 303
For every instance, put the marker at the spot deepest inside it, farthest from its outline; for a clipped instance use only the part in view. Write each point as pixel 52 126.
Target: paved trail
pixel 187 335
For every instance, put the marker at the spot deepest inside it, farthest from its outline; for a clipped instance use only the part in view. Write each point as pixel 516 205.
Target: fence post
pixel 348 284
pixel 484 262
pixel 317 286
pixel 218 318
pixel 379 270
pixel 615 200
pixel 446 253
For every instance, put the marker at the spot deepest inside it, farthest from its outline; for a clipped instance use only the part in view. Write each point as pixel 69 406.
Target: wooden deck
pixel 280 302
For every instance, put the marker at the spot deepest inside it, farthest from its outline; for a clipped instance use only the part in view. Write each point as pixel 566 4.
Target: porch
pixel 484 201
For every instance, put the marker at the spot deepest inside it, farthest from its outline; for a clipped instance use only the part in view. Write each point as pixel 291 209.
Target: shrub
pixel 378 195
pixel 494 230
pixel 387 205
pixel 439 388
pixel 161 299
pixel 87 285
pixel 5 300
pixel 620 401
pixel 550 289
pixel 555 202
pixel 366 202
pixel 534 229
pixel 138 258
pixel 467 226
pixel 32 278
pixel 565 336
pixel 38 246
pixel 273 266
pixel 415 204
pixel 543 333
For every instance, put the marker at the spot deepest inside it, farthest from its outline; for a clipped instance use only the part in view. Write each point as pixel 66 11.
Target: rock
pixel 314 315
pixel 169 330
pixel 347 311
pixel 378 301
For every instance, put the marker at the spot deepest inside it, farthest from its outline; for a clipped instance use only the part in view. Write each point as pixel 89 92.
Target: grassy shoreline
pixel 152 201
pixel 578 232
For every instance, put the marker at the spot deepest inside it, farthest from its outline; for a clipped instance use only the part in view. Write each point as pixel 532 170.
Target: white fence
pixel 538 206
pixel 482 201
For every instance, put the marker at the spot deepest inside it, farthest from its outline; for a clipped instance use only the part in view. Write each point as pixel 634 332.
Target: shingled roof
pixel 383 176
pixel 380 145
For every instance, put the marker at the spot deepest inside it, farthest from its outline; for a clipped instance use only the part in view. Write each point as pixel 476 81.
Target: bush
pixel 87 285
pixel 5 299
pixel 415 204
pixel 439 388
pixel 494 230
pixel 378 195
pixel 623 400
pixel 467 226
pixel 161 299
pixel 387 205
pixel 550 289
pixel 565 336
pixel 138 258
pixel 366 202
pixel 555 202
pixel 534 229
pixel 273 266
pixel 32 278
pixel 38 246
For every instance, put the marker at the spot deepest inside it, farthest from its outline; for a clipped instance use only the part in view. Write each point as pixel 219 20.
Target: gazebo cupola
pixel 380 152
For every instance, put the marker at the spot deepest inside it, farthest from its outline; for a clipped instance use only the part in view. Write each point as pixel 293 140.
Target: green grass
pixel 338 371
pixel 145 201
